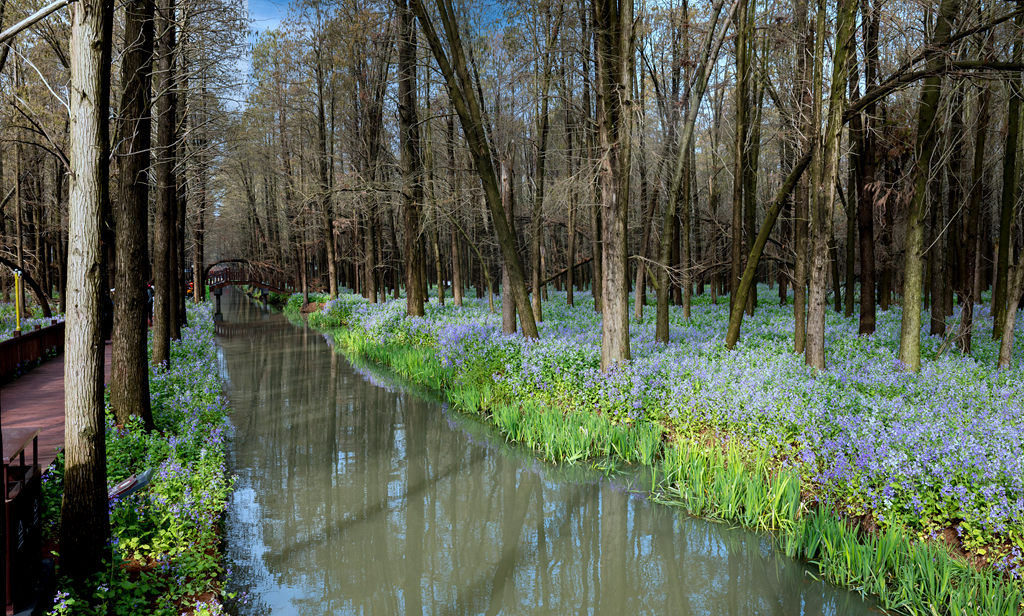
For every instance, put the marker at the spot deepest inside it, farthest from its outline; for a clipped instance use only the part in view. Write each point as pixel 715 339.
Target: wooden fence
pixel 23 352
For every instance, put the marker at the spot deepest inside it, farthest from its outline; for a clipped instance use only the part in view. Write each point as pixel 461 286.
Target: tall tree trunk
pixel 969 241
pixel 786 161
pixel 166 188
pixel 596 228
pixel 597 255
pixel 739 152
pixel 62 236
pixel 801 206
pixel 412 166
pixel 86 524
pixel 943 271
pixel 647 195
pixel 508 306
pixel 1015 285
pixel 177 251
pixel 613 30
pixel 640 286
pixel 837 291
pixel 543 129
pixel 435 241
pixel 752 147
pixel 19 198
pixel 434 233
pixel 454 182
pixel 823 207
pixel 686 249
pixel 571 205
pixel 129 372
pixel 1011 180
pixel 862 133
pixel 752 167
pixel 303 265
pixel 199 228
pixel 370 255
pixel 324 170
pixel 462 93
pixel 201 179
pixel 852 195
pixel 851 242
pixel 913 253
pixel 536 240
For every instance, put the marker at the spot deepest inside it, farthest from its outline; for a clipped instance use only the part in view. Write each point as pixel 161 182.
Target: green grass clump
pixel 294 304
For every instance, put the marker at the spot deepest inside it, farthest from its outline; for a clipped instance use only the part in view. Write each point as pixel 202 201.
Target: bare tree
pixel 85 522
pixel 165 112
pixel 129 387
pixel 931 89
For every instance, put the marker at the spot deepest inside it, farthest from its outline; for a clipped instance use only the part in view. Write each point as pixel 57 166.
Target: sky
pixel 263 15
pixel 266 14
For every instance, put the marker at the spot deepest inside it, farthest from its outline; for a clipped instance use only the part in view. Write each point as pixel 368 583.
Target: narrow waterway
pixel 358 495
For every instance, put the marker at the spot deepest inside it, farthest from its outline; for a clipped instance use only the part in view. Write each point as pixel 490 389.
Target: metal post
pixel 17 302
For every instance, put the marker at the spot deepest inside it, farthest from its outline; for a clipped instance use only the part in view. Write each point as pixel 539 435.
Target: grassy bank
pixel 276 300
pixel 902 487
pixel 165 555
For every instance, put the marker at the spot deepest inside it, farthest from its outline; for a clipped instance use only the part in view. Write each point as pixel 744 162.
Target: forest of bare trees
pixel 858 149
pixel 856 155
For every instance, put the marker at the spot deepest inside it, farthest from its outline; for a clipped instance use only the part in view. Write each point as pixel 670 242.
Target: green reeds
pixel 905 576
pixel 708 481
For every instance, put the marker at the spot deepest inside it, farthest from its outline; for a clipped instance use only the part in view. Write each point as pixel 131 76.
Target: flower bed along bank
pixel 907 487
pixel 165 556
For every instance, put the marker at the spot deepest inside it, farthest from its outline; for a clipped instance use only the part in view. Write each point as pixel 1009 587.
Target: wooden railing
pixel 248 276
pixel 22 516
pixel 23 352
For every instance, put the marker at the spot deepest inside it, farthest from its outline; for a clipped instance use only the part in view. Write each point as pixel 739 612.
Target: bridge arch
pixel 206 270
pixel 247 275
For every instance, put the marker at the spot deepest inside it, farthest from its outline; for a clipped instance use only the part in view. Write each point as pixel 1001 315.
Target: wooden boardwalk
pixel 36 400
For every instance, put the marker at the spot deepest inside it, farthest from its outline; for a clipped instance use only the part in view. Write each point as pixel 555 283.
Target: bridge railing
pixel 248 276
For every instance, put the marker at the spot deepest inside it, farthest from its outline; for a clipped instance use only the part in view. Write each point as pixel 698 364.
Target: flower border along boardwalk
pixel 36 400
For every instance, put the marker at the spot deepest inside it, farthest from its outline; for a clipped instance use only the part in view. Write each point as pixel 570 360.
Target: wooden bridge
pixel 245 274
pixel 242 273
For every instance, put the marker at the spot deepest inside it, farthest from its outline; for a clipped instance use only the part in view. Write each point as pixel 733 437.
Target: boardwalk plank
pixel 36 400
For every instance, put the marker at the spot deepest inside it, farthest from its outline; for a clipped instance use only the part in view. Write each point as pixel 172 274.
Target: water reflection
pixel 356 496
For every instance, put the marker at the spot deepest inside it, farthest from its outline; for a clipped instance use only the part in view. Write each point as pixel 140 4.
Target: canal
pixel 356 494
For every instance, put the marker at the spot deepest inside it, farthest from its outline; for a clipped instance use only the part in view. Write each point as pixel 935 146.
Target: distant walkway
pixel 36 400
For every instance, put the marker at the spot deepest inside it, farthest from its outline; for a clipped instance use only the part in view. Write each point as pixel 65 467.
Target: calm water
pixel 357 495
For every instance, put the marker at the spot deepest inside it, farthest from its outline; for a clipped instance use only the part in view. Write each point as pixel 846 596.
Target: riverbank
pixel 166 553
pixel 903 487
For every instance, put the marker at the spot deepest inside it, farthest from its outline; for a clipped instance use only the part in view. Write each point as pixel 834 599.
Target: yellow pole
pixel 17 301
